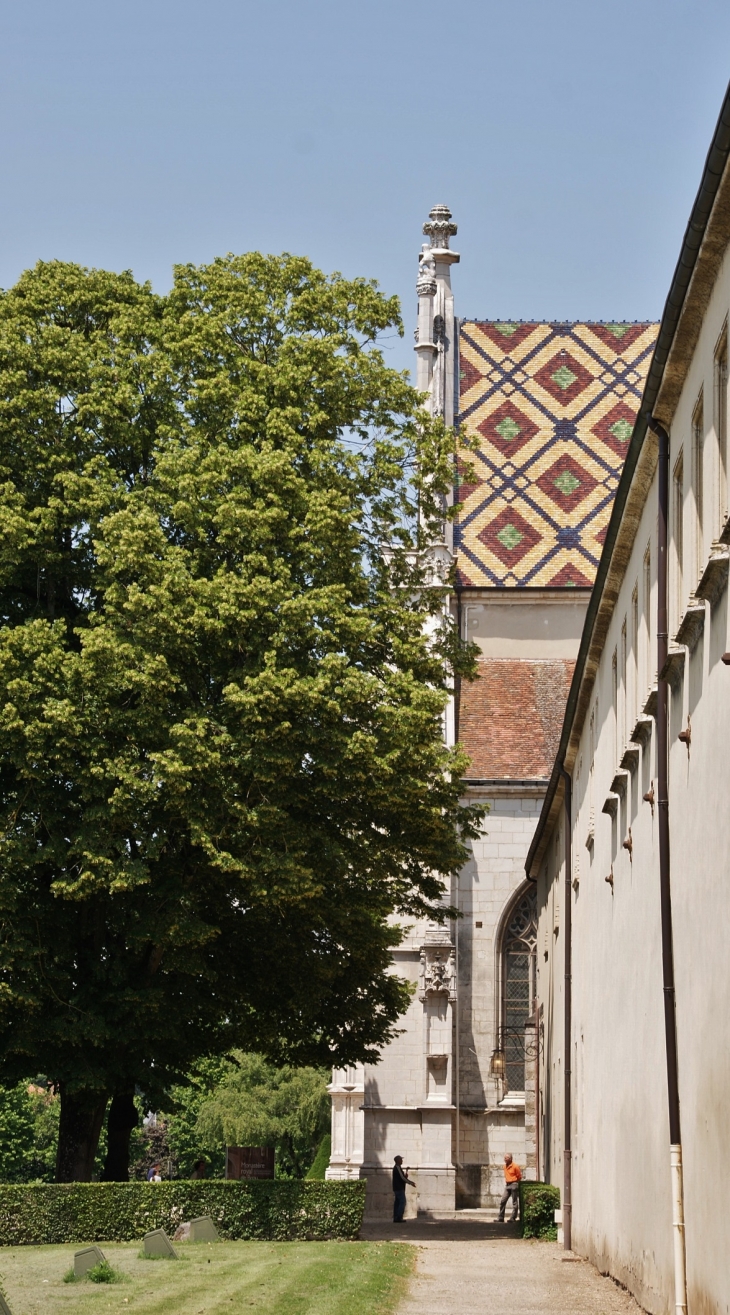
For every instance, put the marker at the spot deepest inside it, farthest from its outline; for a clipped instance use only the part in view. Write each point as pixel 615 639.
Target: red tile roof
pixel 510 717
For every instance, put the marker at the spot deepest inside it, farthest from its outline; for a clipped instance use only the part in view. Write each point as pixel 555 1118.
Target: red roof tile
pixel 510 717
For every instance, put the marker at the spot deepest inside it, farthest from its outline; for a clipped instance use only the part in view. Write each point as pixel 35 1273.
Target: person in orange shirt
pixel 512 1177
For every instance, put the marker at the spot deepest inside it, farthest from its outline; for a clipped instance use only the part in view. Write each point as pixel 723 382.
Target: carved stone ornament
pixel 426 281
pixel 439 227
pixel 438 971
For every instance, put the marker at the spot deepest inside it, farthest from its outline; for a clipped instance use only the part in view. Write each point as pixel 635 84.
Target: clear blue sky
pixel 567 136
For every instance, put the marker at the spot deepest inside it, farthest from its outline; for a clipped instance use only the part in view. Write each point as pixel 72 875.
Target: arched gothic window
pixel 519 987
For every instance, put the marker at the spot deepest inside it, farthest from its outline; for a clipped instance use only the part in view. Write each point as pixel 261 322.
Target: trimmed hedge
pixel 122 1212
pixel 538 1202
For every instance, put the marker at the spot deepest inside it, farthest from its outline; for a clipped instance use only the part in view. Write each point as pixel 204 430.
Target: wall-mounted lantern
pixel 497 1063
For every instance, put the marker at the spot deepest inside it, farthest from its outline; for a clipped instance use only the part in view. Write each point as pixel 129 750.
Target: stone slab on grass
pixel 87 1259
pixel 197 1230
pixel 203 1230
pixel 158 1244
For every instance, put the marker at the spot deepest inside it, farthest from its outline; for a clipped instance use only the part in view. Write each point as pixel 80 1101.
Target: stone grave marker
pixel 197 1230
pixel 157 1243
pixel 86 1260
pixel 203 1230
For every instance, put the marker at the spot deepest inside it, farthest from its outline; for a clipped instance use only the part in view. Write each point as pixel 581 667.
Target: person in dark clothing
pixel 400 1178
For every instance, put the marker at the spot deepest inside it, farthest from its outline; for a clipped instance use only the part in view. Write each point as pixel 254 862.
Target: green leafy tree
pixel 46 1108
pixel 258 1104
pixel 28 1132
pixel 186 1141
pixel 223 671
pixel 17 1129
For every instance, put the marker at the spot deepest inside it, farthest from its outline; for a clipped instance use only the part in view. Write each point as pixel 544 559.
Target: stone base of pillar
pixel 343 1172
pixel 479 1186
pixel 434 1193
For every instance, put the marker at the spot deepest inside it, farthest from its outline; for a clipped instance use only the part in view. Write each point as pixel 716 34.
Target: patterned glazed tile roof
pixel 511 716
pixel 552 407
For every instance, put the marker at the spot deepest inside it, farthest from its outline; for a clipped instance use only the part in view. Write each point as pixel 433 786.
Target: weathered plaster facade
pixel 622 1204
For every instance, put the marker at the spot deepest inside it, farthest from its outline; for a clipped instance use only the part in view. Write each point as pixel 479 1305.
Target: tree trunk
pixel 82 1114
pixel 123 1117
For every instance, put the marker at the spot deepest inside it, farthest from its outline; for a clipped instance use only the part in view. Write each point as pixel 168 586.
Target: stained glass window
pixel 518 985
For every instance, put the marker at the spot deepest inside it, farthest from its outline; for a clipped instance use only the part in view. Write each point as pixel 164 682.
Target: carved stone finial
pixel 439 227
pixel 426 281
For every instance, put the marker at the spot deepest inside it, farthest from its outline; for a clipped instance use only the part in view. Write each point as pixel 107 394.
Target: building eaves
pixel 703 246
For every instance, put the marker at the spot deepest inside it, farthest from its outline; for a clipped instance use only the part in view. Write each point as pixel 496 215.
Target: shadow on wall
pixel 696 667
pixel 471 1084
pixel 717 630
pixel 372 1092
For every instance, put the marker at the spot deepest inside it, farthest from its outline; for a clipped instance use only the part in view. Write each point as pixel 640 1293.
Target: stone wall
pixel 388 1109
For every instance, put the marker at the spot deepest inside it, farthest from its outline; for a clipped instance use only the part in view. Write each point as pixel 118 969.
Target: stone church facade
pixel 551 409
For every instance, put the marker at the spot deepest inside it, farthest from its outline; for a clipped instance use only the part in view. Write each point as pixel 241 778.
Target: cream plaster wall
pixel 621 1183
pixel 512 624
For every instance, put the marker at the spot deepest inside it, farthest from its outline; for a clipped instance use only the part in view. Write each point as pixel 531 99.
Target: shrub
pixel 538 1202
pixel 43 1213
pixel 321 1159
pixel 101 1273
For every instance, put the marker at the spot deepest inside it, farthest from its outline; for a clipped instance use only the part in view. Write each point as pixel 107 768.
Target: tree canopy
pixel 257 1104
pixel 223 672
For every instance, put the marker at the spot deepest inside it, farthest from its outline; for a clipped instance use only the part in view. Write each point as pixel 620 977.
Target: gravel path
pixel 470 1268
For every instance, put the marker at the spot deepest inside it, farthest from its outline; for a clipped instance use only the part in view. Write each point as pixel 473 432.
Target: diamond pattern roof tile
pixel 552 408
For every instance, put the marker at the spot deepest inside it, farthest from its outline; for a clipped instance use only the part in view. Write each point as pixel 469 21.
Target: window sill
pixel 692 624
pixel 620 782
pixel 673 669
pixel 714 576
pixel 514 1100
pixel 650 705
pixel 641 734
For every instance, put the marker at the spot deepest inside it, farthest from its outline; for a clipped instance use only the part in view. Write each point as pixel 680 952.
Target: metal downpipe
pixel 670 1020
pixel 567 1203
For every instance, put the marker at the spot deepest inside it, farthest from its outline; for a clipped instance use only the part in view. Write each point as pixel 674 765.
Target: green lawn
pixel 275 1278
